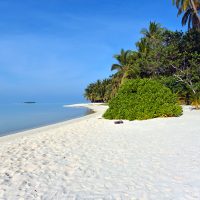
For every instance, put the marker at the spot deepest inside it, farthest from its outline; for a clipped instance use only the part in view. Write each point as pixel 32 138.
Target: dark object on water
pixel 29 102
pixel 119 122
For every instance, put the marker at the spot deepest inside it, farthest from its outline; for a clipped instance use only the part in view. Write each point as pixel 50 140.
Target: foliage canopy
pixel 143 99
pixel 161 54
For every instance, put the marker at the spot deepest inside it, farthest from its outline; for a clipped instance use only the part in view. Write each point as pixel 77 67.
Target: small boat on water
pixel 29 102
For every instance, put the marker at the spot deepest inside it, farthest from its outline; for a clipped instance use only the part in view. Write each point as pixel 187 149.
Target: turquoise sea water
pixel 19 117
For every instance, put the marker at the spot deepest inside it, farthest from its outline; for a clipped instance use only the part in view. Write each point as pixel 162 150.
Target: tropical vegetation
pixel 172 58
pixel 161 54
pixel 143 99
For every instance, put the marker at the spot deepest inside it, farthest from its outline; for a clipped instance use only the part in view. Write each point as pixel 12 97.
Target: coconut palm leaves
pixel 97 92
pixel 143 46
pixel 191 19
pixel 152 37
pixel 191 9
pixel 123 60
pixel 153 31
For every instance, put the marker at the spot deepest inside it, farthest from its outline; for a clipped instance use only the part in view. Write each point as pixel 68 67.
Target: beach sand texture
pixel 93 158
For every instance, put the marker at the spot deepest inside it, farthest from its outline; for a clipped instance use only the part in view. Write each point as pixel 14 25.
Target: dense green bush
pixel 143 99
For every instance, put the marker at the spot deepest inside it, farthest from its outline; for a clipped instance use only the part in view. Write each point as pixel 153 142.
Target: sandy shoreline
pixel 93 158
pixel 50 126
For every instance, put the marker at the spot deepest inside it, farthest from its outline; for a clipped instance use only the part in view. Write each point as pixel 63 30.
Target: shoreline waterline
pixel 15 135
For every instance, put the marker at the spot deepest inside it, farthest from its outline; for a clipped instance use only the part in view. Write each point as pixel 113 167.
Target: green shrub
pixel 143 99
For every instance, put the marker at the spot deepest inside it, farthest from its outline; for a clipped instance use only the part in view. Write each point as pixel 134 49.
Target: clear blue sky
pixel 52 49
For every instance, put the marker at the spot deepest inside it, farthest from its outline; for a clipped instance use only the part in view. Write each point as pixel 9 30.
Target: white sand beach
pixel 93 158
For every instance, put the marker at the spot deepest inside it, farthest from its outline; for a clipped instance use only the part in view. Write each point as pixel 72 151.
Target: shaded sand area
pixel 93 158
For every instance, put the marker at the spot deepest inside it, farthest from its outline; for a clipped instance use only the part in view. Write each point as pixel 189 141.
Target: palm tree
pixel 191 18
pixel 191 9
pixel 123 64
pixel 153 31
pixel 152 37
pixel 122 59
pixel 143 46
pixel 96 92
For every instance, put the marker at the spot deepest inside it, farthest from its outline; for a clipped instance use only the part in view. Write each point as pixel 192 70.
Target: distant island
pixel 29 102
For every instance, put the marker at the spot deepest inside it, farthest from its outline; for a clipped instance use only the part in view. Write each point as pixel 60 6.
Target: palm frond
pixel 186 17
pixel 116 67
